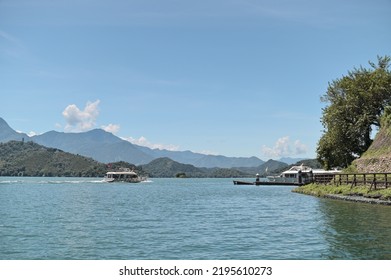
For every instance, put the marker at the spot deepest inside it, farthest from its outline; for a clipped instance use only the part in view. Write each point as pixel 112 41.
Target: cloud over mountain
pixel 112 128
pixel 283 148
pixel 81 120
pixel 142 141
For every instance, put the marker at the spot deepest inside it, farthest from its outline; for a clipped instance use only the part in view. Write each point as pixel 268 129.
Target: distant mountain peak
pixel 4 124
pixel 8 134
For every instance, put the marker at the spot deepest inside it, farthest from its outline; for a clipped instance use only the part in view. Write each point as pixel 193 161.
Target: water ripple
pixel 183 219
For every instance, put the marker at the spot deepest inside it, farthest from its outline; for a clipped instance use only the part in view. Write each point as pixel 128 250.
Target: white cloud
pixel 300 148
pixel 282 148
pixel 142 141
pixel 32 133
pixel 207 152
pixel 113 128
pixel 29 134
pixel 81 120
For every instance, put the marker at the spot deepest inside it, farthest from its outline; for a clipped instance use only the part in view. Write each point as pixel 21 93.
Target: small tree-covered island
pixel 358 106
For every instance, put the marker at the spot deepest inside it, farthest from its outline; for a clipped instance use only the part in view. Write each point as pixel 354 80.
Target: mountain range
pixel 106 147
pixel 20 158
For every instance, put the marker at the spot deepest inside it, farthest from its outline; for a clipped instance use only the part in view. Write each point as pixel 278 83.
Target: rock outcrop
pixel 378 156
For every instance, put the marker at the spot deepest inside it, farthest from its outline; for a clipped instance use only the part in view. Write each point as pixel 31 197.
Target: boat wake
pixel 147 181
pixel 72 182
pixel 10 181
pixel 50 181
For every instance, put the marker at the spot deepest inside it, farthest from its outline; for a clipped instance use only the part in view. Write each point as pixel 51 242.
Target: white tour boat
pixel 124 175
pixel 301 175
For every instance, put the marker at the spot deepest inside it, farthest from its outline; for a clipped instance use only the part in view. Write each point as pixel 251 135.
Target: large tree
pixel 355 103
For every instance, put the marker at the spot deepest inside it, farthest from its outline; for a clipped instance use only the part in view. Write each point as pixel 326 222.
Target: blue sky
pixel 229 77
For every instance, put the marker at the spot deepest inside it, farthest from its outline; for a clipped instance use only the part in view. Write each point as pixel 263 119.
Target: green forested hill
pixel 167 168
pixel 30 159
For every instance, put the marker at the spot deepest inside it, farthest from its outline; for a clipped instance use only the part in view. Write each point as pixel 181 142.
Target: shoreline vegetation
pixel 360 194
pixel 347 143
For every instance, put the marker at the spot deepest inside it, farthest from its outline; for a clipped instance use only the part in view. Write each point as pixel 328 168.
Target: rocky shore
pixel 359 194
pixel 357 198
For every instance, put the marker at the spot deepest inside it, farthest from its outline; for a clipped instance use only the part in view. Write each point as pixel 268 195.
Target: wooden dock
pixel 371 180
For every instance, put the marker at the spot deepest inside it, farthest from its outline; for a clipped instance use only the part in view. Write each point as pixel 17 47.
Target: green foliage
pixel 356 103
pixel 351 168
pixel 181 175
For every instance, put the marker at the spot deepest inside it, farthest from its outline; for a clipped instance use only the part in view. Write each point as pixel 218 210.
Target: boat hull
pixel 243 183
pixel 124 180
pixel 268 183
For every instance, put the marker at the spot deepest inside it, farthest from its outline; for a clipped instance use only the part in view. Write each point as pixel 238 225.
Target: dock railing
pixel 373 180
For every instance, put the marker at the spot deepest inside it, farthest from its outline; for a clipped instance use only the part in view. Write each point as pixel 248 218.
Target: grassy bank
pixel 324 190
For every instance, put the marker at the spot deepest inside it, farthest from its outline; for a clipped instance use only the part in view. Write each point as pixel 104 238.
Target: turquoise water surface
pixel 73 218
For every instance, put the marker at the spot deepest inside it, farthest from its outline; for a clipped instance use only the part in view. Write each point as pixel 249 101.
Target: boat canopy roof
pixel 322 171
pixel 297 168
pixel 122 173
pixel 303 168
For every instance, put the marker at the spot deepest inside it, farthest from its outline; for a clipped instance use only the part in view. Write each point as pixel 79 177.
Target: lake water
pixel 73 218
